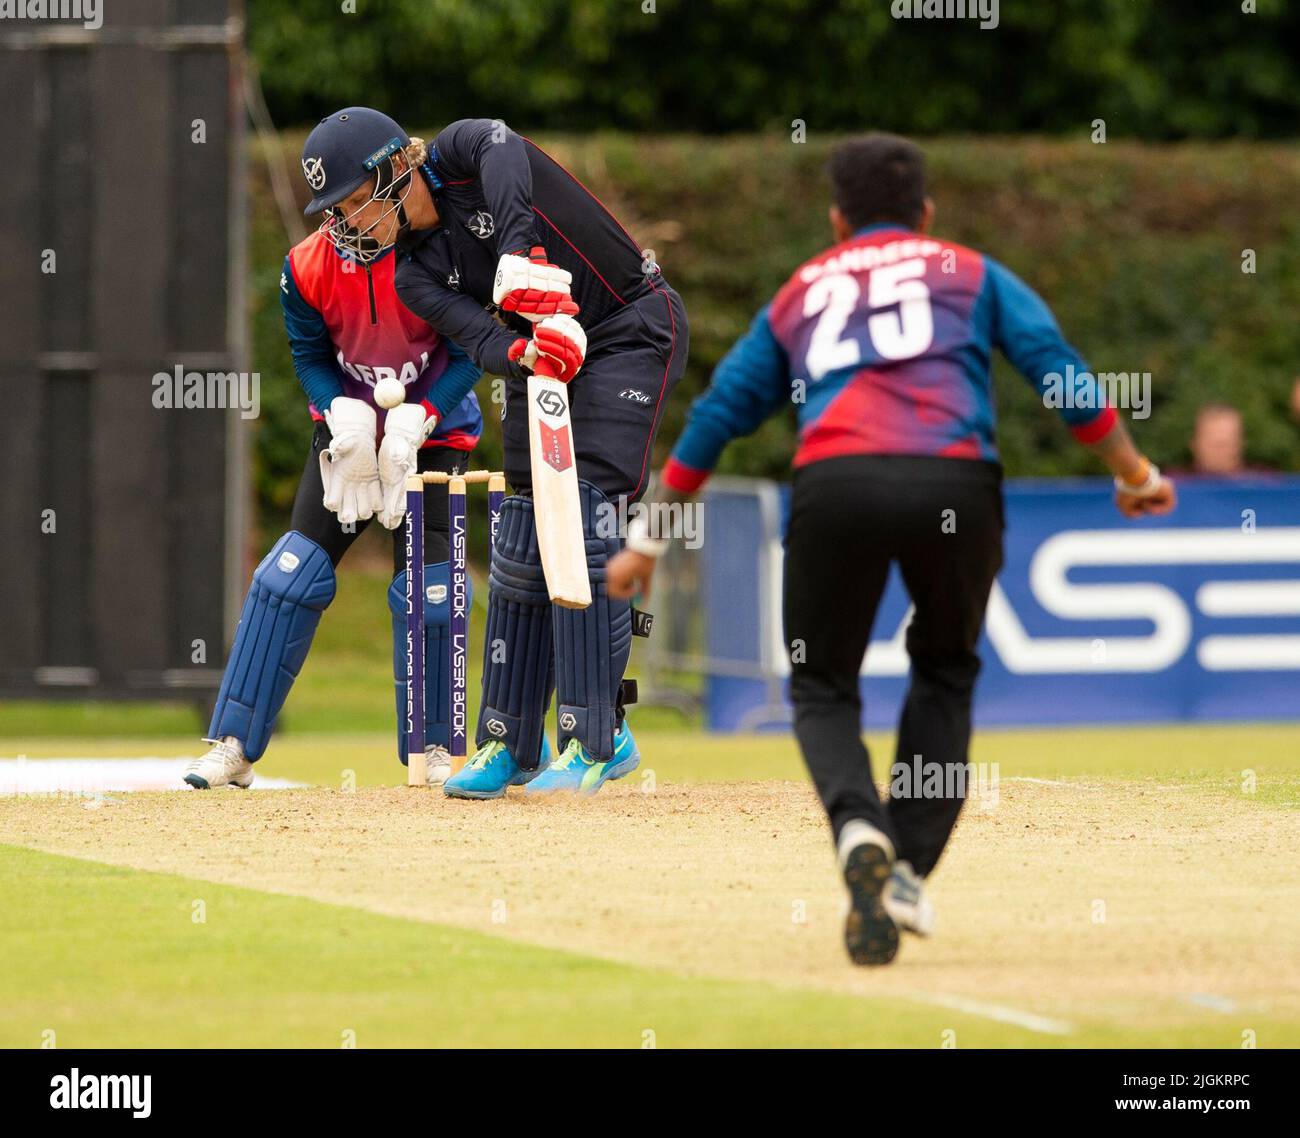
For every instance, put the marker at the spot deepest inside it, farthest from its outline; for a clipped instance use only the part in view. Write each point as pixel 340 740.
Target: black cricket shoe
pixel 870 934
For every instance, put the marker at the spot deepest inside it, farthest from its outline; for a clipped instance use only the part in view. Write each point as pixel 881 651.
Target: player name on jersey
pixel 861 258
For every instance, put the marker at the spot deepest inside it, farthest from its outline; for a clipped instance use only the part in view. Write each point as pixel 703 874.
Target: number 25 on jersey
pixel 901 324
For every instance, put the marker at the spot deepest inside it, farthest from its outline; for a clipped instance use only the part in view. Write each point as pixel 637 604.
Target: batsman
pixel 504 252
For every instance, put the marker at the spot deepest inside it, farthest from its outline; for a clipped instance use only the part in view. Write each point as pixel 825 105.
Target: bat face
pixel 556 504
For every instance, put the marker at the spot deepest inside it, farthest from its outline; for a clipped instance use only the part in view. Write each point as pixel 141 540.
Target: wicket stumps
pixel 458 599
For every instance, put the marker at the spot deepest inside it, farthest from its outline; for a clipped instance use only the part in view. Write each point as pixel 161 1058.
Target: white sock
pixel 855 833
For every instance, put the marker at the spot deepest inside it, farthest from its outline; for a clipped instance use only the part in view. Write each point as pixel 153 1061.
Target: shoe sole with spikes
pixel 201 783
pixel 870 934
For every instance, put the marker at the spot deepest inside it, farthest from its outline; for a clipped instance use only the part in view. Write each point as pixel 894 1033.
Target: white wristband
pixel 640 541
pixel 1145 489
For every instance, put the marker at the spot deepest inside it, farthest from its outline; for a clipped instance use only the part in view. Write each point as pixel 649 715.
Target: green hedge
pixel 1154 69
pixel 1137 248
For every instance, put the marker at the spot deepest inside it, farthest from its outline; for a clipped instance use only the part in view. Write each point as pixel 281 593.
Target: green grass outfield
pixel 1262 761
pixel 105 955
pixel 109 956
pixel 116 960
pixel 112 957
pixel 346 684
pixel 340 718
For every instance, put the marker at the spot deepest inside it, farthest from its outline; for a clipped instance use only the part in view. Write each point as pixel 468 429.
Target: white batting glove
pixel 407 427
pixel 349 467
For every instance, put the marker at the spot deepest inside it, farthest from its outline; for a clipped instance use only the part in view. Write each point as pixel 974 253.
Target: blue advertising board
pixel 1094 619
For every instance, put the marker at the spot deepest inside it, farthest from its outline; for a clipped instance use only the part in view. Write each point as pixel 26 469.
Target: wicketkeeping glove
pixel 532 286
pixel 349 467
pixel 405 430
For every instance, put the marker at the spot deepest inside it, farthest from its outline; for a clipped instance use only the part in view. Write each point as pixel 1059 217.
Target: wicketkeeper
pixel 883 345
pixel 348 332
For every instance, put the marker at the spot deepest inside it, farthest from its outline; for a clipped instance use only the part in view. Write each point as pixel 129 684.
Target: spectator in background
pixel 1218 441
pixel 1218 444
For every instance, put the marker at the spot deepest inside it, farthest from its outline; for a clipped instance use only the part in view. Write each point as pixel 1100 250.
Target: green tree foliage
pixel 1137 248
pixel 1153 69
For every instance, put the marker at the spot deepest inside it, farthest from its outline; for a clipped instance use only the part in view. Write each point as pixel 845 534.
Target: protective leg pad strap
pixel 292 586
pixel 517 673
pixel 592 645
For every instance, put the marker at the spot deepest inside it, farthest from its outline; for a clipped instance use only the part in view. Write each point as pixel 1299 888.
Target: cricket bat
pixel 556 507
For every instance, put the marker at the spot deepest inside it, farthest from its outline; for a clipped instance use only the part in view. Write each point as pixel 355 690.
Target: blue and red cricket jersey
pixel 884 343
pixel 347 330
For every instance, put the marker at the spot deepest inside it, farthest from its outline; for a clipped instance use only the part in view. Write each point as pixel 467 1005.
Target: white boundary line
pixel 1030 1022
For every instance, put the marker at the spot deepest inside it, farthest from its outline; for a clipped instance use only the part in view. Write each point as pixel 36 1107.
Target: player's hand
pixel 1161 501
pixel 561 341
pixel 349 466
pixel 628 574
pixel 524 353
pixel 532 286
pixel 405 430
pixel 1149 493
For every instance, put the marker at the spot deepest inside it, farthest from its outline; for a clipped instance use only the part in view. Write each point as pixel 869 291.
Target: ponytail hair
pixel 417 152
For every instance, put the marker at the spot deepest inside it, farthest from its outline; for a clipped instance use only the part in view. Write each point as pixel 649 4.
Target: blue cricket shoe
pixel 575 772
pixel 490 770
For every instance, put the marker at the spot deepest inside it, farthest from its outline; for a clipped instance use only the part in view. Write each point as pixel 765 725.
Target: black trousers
pixel 635 356
pixel 941 520
pixel 313 520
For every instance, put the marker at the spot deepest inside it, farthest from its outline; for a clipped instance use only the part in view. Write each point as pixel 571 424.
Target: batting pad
pixel 517 669
pixel 592 645
pixel 292 586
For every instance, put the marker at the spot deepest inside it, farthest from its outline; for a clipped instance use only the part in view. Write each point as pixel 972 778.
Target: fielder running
pixel 348 332
pixel 883 343
pixel 502 251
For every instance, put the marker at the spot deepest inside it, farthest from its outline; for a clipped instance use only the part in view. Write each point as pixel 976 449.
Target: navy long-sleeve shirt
pixel 496 193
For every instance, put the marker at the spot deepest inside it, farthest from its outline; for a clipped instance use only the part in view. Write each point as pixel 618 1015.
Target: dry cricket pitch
pixel 1063 904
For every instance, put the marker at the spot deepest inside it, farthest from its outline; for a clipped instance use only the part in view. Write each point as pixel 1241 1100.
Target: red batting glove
pixel 563 343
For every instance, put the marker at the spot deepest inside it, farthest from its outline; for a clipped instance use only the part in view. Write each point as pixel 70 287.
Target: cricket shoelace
pixel 228 754
pixel 485 756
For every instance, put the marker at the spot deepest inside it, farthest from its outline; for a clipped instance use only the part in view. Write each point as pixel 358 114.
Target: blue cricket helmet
pixel 344 149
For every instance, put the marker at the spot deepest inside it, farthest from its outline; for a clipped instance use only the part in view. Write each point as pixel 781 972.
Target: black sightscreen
pixel 123 253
